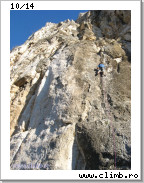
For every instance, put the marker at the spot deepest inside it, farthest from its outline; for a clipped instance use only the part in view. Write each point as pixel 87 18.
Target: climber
pixel 100 69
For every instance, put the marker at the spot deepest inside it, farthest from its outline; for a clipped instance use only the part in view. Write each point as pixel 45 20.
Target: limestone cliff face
pixel 63 116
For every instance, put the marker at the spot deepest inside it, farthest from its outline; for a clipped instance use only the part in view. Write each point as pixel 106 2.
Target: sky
pixel 23 23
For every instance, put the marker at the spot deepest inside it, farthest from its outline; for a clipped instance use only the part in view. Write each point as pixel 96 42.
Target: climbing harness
pixel 109 115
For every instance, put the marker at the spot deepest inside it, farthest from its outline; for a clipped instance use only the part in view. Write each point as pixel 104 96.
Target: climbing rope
pixel 109 115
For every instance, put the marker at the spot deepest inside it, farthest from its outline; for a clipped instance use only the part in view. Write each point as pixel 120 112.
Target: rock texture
pixel 63 116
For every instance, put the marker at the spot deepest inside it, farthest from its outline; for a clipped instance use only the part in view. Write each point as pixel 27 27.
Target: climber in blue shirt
pixel 101 66
pixel 100 69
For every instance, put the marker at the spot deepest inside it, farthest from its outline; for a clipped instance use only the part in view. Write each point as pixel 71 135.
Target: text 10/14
pixel 17 6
